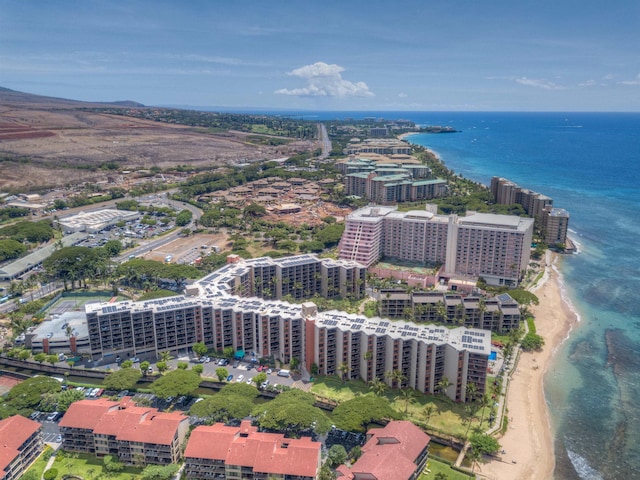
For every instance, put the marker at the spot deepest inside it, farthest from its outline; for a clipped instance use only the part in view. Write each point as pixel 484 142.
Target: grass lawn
pixel 89 467
pixel 40 463
pixel 440 467
pixel 447 416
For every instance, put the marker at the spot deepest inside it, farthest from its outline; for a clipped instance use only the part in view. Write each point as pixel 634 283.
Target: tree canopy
pixel 292 412
pixel 233 401
pixel 176 383
pixel 354 415
pixel 122 379
pixel 25 397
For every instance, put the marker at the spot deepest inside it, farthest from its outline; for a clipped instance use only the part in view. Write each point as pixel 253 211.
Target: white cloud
pixel 324 80
pixel 635 81
pixel 587 83
pixel 538 83
pixel 402 95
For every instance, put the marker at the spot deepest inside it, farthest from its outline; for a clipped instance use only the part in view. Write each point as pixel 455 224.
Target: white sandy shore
pixel 528 441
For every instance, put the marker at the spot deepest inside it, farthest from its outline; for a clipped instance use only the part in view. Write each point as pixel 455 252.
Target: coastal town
pixel 351 309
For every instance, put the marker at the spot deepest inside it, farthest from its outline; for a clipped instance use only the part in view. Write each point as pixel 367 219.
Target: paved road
pixel 324 138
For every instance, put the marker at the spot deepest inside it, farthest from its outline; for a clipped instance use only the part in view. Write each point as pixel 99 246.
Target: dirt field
pixel 186 249
pixel 52 134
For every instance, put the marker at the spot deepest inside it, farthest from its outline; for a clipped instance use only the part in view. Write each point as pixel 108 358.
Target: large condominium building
pixel 133 434
pixel 20 445
pixel 222 451
pixel 555 225
pixel 495 247
pixel 372 347
pixel 382 146
pixel 390 183
pixel 554 222
pixel 214 311
pixel 498 314
pixel 223 309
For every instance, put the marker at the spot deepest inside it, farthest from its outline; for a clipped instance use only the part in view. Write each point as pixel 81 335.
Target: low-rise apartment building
pixel 136 435
pixel 241 452
pixel 20 445
pixel 398 451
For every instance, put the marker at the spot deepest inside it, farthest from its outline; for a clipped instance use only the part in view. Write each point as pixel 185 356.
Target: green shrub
pixel 50 474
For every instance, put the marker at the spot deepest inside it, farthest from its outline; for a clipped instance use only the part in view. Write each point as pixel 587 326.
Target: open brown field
pixel 54 142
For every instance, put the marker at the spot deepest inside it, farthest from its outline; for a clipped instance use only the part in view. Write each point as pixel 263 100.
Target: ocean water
pixel 589 163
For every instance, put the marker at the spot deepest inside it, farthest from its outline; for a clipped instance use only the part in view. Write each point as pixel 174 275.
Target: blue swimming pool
pixel 493 355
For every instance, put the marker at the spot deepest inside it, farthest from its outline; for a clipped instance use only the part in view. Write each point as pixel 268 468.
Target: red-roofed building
pixel 399 451
pixel 20 445
pixel 244 453
pixel 137 435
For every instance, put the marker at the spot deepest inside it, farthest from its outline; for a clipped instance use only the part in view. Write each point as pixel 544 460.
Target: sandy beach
pixel 528 442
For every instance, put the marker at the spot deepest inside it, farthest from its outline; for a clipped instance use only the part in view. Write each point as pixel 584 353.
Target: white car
pixel 240 378
pixel 249 381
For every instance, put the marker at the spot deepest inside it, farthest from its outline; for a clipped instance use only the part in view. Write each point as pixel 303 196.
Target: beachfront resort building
pixel 134 434
pixel 390 183
pixel 238 452
pixel 494 247
pixel 553 222
pixel 224 309
pixel 20 445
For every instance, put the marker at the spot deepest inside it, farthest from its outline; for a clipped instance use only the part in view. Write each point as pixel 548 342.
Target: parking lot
pixel 245 369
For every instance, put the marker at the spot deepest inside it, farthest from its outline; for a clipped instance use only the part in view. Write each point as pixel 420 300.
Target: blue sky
pixel 494 55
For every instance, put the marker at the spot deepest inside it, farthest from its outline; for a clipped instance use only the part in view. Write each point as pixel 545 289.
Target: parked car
pixel 135 360
pixel 240 378
pixel 229 378
pixel 249 381
pixel 51 417
pixel 236 364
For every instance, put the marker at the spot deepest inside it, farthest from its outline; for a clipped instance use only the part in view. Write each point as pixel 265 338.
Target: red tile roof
pixel 14 431
pixel 264 452
pixel 391 452
pixel 124 421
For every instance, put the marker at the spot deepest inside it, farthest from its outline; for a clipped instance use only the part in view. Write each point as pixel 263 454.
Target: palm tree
pixel 407 395
pixel 442 386
pixel 344 369
pixel 377 386
pixel 429 410
pixel 397 377
pixel 485 401
pixel 165 356
pixel 471 392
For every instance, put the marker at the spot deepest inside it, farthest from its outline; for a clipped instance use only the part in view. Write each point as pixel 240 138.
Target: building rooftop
pixel 14 269
pixel 124 420
pixel 391 452
pixel 14 431
pixel 263 452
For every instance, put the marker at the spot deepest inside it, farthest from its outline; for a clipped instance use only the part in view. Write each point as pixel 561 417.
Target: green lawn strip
pixel 436 466
pixel 41 462
pixel 446 418
pixel 88 466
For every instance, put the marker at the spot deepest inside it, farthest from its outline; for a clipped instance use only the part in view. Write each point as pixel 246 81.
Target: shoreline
pixel 528 441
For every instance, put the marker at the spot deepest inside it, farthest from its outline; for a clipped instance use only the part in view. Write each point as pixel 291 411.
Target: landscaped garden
pixel 437 413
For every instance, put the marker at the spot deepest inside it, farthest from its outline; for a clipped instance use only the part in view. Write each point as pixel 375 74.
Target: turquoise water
pixel 493 356
pixel 589 164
